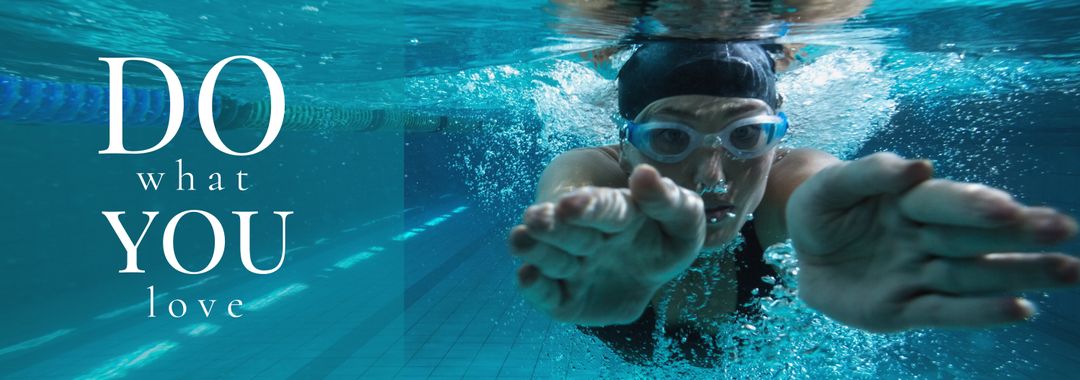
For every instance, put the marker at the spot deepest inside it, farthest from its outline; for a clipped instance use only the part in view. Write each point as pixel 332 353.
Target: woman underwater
pixel 882 245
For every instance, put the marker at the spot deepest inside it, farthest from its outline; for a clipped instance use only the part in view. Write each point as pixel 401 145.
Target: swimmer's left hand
pixel 883 247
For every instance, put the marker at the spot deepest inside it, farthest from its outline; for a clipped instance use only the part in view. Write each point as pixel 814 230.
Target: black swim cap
pixel 670 68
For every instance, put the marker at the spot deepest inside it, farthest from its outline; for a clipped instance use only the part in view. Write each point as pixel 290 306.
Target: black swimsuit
pixel 635 343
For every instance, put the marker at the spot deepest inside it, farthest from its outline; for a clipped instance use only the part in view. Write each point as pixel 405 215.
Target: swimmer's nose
pixel 710 173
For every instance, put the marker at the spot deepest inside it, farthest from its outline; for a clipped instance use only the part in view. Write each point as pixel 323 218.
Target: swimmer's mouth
pixel 719 212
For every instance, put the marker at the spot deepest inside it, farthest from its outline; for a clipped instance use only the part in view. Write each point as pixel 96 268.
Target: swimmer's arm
pixel 816 11
pixel 787 174
pixel 579 168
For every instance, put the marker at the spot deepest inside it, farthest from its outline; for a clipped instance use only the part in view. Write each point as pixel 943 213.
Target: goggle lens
pixel 749 138
pixel 667 141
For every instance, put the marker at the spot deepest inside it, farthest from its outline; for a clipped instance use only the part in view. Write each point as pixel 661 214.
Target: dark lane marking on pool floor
pixel 337 353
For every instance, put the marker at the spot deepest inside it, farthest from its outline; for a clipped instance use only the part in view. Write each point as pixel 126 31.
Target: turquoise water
pixel 446 112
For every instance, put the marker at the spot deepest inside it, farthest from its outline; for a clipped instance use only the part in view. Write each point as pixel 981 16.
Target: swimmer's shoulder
pixel 790 168
pixel 593 166
pixel 800 162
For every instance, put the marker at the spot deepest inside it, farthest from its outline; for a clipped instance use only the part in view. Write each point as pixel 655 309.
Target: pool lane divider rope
pixel 33 101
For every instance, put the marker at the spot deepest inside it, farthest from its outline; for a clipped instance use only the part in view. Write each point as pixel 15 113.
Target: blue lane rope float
pixel 32 101
pixel 9 94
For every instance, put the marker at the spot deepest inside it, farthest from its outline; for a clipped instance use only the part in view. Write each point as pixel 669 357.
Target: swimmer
pixel 882 245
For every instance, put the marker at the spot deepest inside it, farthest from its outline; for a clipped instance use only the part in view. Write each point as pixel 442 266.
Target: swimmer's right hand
pixel 597 255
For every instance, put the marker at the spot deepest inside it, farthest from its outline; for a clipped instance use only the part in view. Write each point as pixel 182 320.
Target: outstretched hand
pixel 597 255
pixel 884 247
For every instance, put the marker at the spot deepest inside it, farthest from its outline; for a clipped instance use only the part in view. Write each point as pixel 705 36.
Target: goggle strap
pixel 780 128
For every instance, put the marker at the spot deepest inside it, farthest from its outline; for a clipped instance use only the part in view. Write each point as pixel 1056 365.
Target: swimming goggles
pixel 671 142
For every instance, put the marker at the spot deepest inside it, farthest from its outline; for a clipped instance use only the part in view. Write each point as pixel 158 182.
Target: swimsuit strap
pixel 751 268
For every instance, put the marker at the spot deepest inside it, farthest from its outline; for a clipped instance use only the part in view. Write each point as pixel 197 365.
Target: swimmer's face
pixel 707 166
